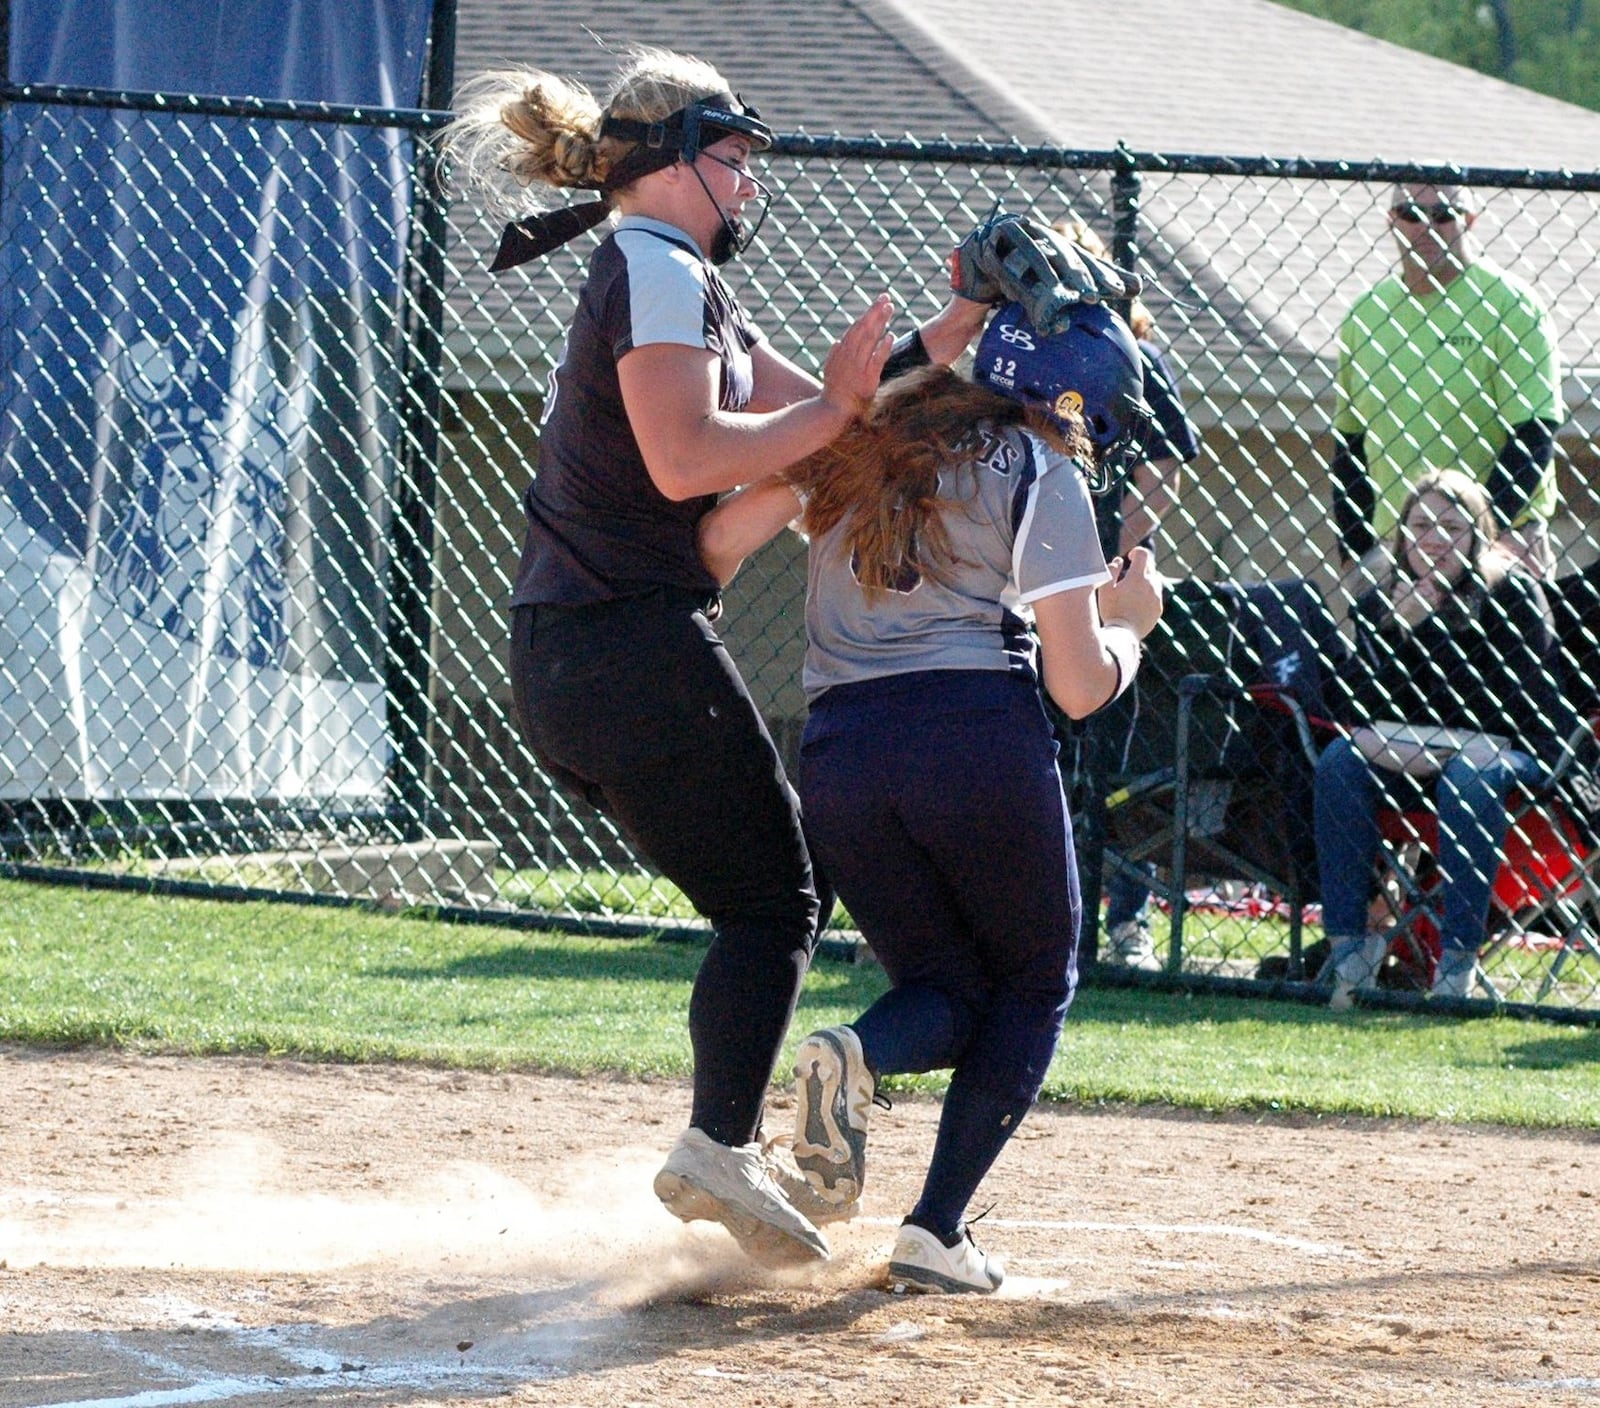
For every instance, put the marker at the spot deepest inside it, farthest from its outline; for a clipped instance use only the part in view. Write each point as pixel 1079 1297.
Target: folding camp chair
pixel 1289 655
pixel 1546 893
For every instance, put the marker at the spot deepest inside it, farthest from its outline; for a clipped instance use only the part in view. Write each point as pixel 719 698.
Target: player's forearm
pixel 940 340
pixel 730 448
pixel 950 331
pixel 743 522
pixel 778 381
pixel 1152 495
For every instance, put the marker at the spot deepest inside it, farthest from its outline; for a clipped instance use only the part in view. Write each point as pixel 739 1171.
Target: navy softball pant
pixel 934 804
pixel 635 707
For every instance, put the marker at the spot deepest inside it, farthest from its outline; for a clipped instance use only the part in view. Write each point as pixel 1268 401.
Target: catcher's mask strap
pixel 687 132
pixel 679 137
pixel 536 235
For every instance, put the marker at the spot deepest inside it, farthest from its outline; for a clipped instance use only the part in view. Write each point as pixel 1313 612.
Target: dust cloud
pixel 233 1207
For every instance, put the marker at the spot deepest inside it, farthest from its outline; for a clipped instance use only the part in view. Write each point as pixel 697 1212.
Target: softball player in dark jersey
pixel 928 766
pixel 665 396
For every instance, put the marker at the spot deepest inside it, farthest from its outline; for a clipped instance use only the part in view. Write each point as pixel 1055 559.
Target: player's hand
pixel 1135 593
pixel 854 363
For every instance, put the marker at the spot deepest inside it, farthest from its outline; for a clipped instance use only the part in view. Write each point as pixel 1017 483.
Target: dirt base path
pixel 252 1232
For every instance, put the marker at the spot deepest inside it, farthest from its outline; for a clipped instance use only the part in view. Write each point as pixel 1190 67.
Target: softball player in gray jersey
pixel 928 775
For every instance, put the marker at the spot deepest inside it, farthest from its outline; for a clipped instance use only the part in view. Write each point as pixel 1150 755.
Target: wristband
pixel 1122 645
pixel 907 354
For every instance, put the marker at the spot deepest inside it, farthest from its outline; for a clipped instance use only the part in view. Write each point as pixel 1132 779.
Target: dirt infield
pixel 240 1231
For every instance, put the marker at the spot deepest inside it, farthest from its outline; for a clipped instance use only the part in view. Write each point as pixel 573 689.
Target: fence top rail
pixel 1123 158
pixel 212 105
pixel 905 149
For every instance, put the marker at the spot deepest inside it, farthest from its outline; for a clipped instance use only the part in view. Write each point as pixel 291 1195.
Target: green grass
pixel 594 892
pixel 81 967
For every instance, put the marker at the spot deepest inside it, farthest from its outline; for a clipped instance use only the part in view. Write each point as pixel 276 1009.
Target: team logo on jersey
pixel 1017 336
pixel 1069 404
pixel 992 452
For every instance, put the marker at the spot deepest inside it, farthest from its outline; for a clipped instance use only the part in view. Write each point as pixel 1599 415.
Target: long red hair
pixel 881 477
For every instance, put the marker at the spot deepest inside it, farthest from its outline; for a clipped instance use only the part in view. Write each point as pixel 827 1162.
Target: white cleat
pixel 833 1090
pixel 921 1262
pixel 710 1182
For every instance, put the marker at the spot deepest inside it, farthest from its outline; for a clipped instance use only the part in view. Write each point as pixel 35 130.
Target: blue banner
pixel 201 381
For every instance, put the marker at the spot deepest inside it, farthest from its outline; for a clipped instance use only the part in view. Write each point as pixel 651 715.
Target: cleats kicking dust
pixel 710 1182
pixel 833 1096
pixel 921 1262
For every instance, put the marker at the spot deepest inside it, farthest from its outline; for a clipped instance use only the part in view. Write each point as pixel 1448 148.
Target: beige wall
pixel 489 447
pixel 1254 507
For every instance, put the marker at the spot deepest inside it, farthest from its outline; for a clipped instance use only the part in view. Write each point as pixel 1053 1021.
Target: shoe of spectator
pixel 833 1089
pixel 1355 967
pixel 1454 975
pixel 921 1262
pixel 710 1182
pixel 1129 943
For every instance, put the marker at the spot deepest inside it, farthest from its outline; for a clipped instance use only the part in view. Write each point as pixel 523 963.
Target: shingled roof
pixel 1253 272
pixel 1233 77
pixel 1237 77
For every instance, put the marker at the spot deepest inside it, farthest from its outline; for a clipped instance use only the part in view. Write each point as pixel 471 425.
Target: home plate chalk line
pixel 312 1368
pixel 413 1377
pixel 1158 1229
pixel 316 1369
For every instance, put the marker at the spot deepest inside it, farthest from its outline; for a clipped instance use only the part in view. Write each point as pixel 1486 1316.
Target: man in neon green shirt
pixel 1450 363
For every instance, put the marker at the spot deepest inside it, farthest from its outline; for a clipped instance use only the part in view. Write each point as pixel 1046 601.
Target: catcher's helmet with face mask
pixel 1092 368
pixel 682 136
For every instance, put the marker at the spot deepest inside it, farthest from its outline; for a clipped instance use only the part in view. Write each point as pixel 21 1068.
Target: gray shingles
pixel 1254 274
pixel 1247 77
pixel 1239 77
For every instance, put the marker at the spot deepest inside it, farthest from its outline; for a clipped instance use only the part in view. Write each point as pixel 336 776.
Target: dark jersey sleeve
pixel 1172 436
pixel 1519 469
pixel 1355 499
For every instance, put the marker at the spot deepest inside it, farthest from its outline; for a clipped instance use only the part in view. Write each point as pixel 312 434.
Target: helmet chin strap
pixel 731 237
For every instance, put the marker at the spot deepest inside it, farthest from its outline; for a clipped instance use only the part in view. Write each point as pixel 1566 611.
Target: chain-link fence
pixel 267 424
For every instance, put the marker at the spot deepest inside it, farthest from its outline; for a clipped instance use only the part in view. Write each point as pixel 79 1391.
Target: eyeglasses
pixel 1414 214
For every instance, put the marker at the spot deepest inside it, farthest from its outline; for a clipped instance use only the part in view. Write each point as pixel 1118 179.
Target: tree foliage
pixel 1546 45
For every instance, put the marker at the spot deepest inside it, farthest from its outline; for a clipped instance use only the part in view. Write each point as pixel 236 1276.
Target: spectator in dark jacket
pixel 1453 684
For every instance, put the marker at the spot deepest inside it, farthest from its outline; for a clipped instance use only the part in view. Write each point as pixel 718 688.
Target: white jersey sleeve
pixel 1057 546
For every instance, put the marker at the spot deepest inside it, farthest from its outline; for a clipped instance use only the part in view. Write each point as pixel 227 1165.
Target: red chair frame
pixel 1547 871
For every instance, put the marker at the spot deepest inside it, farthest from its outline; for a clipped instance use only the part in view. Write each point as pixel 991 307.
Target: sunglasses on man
pixel 1414 214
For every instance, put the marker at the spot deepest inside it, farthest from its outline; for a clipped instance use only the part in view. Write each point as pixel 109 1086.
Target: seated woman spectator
pixel 1454 684
pixel 928 773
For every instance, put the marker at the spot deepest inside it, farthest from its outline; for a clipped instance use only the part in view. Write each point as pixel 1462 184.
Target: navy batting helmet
pixel 1092 368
